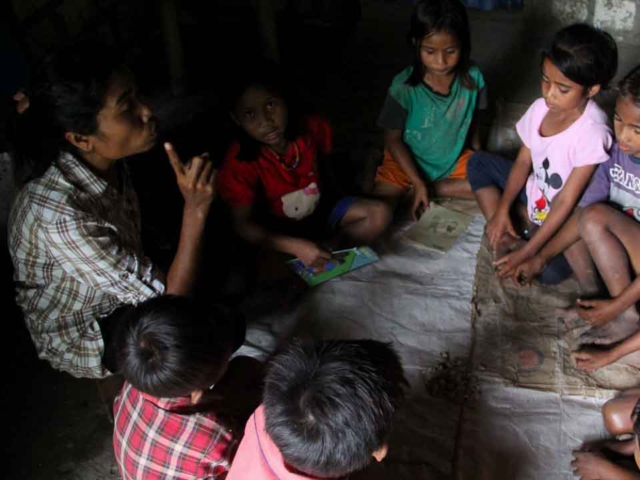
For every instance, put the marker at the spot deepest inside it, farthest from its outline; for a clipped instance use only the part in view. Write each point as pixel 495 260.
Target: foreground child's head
pixel 329 406
pixel 168 347
pixel 440 37
pixel 582 61
pixel 627 114
pixel 85 102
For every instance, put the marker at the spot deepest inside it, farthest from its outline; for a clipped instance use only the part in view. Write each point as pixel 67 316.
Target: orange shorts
pixel 391 172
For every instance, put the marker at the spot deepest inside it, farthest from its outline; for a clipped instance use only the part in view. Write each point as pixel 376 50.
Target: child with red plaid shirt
pixel 168 417
pixel 327 412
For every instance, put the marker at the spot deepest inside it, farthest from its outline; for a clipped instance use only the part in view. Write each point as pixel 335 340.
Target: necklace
pixel 284 164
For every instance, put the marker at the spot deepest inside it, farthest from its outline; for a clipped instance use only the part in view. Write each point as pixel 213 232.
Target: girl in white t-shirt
pixel 565 135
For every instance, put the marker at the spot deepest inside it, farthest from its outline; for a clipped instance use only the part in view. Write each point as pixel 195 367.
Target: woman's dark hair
pixel 67 95
pixel 629 86
pixel 329 405
pixel 169 347
pixel 585 55
pixel 434 16
pixel 273 79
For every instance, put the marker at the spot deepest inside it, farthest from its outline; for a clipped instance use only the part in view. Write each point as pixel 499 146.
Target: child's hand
pixel 420 200
pixel 528 270
pixel 499 225
pixel 590 359
pixel 196 180
pixel 22 102
pixel 597 312
pixel 593 466
pixel 507 265
pixel 310 254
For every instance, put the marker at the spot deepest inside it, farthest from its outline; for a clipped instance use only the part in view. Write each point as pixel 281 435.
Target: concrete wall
pixel 621 18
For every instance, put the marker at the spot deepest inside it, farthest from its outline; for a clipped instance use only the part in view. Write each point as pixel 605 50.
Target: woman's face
pixel 126 126
pixel 263 115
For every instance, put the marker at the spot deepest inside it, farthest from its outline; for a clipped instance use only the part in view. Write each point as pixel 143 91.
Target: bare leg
pixel 366 220
pixel 611 237
pixel 456 188
pixel 488 200
pixel 584 269
pixel 392 194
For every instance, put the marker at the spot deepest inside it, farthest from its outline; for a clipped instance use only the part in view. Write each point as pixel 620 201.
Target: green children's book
pixel 439 228
pixel 342 261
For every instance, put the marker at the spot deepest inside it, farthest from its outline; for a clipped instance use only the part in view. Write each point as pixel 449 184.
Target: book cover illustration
pixel 342 261
pixel 439 228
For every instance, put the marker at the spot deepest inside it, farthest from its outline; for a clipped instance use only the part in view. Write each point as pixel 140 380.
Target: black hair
pixel 635 416
pixel 585 55
pixel 272 78
pixel 629 86
pixel 433 16
pixel 169 347
pixel 67 95
pixel 329 405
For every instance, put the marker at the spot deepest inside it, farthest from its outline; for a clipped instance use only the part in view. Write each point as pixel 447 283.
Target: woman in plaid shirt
pixel 74 228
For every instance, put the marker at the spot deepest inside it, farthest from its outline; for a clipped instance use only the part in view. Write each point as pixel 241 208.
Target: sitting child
pixel 621 418
pixel 565 136
pixel 271 176
pixel 606 231
pixel 429 113
pixel 327 412
pixel 167 417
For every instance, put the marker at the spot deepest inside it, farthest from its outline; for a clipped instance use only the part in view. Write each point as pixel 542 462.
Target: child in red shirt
pixel 275 165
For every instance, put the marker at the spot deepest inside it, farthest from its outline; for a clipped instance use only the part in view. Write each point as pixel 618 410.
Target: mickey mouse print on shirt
pixel 545 181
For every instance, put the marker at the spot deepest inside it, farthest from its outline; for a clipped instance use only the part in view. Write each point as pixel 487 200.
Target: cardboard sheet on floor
pixel 521 339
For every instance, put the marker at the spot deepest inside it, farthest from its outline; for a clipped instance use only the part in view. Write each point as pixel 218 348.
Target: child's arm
pixel 401 154
pixel 308 252
pixel 561 207
pixel 589 358
pixel 568 235
pixel 500 223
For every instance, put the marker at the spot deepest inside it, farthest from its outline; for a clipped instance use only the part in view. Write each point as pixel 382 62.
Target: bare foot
pixel 623 447
pixel 612 332
pixel 507 244
pixel 594 466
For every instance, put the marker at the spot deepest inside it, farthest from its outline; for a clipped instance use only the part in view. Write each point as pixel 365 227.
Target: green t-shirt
pixel 434 126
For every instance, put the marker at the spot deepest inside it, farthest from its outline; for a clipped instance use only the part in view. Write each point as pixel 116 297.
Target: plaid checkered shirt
pixel 76 249
pixel 153 442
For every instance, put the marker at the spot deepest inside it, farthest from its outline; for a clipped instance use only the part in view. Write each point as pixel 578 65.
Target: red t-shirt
pixel 290 193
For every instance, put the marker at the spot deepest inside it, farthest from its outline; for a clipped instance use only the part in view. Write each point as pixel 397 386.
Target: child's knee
pixel 616 414
pixel 379 214
pixel 592 220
